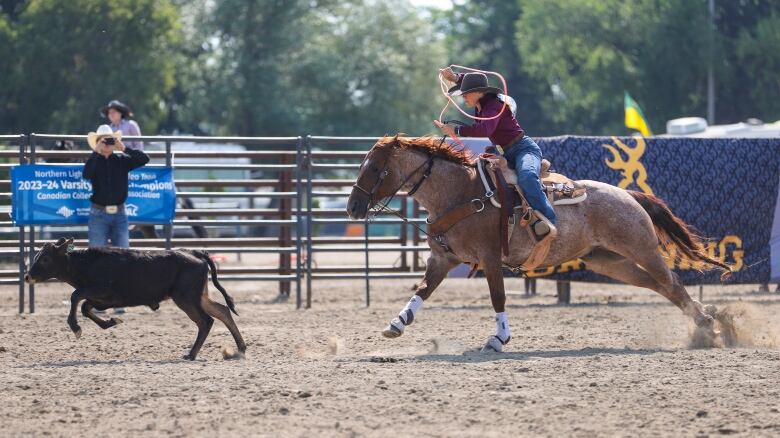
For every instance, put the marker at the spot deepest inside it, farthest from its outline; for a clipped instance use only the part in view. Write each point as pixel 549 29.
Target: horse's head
pixel 376 179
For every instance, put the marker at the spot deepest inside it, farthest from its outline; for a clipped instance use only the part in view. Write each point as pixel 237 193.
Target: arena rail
pixel 283 161
pixel 314 177
pixel 340 157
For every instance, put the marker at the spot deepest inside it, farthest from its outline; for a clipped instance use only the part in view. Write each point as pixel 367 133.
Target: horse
pixel 616 232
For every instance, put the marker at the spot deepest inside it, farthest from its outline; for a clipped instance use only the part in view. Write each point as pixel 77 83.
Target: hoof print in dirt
pixel 383 359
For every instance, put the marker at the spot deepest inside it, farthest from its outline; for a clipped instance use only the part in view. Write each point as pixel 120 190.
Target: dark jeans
pixel 526 158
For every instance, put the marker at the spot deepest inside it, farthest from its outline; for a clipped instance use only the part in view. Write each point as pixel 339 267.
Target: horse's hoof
pixel 704 321
pixel 77 332
pixel 394 329
pixel 704 337
pixel 187 357
pixel 493 345
pixel 117 320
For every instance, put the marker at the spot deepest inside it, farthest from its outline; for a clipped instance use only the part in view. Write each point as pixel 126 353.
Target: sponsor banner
pixel 58 195
pixel 726 188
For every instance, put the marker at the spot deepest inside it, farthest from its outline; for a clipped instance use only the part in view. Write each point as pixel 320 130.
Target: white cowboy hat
pixel 102 131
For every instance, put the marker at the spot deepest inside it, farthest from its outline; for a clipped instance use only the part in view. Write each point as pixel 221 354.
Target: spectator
pixel 120 118
pixel 108 173
pixel 119 115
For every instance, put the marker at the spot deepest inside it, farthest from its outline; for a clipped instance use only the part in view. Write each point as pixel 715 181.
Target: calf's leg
pixel 199 317
pixel 222 313
pixel 75 297
pixel 86 310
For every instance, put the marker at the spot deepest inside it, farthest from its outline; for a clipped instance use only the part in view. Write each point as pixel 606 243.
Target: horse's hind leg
pixel 616 266
pixel 222 313
pixel 647 269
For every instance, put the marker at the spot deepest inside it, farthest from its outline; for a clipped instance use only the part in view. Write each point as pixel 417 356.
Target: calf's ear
pixel 60 242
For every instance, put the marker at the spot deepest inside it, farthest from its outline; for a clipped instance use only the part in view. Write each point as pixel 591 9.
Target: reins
pixel 383 206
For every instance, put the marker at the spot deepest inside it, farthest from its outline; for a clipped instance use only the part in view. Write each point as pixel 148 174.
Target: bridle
pixel 380 206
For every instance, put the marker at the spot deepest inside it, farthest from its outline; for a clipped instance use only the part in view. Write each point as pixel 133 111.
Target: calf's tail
pixel 228 299
pixel 671 228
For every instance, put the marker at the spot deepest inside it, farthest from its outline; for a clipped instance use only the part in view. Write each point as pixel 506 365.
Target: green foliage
pixel 287 67
pixel 368 67
pixel 74 56
pixel 481 34
pixel 758 52
pixel 588 52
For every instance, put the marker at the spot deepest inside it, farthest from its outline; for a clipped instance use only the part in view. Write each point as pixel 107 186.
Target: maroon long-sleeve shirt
pixel 501 130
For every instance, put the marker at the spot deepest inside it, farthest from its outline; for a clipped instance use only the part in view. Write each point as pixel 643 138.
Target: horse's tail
pixel 671 228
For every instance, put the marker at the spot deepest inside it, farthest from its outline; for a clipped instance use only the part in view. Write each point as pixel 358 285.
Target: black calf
pixel 105 278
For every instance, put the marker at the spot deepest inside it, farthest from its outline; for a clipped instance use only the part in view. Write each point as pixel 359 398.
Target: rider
pixel 520 151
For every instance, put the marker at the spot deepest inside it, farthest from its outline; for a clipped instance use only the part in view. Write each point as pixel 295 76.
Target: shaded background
pixel 368 67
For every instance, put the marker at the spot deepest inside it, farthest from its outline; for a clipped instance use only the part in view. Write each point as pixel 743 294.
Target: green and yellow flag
pixel 634 117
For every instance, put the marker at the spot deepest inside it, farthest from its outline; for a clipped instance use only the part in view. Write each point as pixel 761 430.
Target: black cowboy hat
pixel 119 106
pixel 473 82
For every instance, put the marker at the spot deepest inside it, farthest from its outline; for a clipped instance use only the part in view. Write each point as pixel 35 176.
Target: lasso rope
pixel 444 87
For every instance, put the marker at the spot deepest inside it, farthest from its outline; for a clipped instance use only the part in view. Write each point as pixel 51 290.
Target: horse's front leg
pixel 495 279
pixel 435 271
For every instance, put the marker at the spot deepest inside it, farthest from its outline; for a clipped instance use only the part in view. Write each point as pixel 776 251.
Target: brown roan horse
pixel 616 232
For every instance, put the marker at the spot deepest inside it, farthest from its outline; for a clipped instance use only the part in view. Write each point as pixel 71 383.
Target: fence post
pixel 368 285
pixel 309 200
pixel 285 212
pixel 168 228
pixel 298 219
pixel 31 291
pixel 23 140
pixel 404 234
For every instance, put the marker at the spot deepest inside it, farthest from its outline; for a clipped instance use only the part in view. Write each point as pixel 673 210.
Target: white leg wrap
pixel 406 317
pixel 503 333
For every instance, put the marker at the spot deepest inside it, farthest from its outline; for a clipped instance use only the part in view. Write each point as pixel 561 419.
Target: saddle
pixel 560 189
pixel 515 209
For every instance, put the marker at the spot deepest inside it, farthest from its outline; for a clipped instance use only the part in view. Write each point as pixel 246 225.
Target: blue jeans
pixel 526 158
pixel 104 226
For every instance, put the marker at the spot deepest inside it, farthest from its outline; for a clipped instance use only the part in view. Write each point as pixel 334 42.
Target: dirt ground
pixel 614 363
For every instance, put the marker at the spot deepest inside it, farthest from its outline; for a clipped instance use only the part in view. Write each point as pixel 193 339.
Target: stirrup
pixel 542 247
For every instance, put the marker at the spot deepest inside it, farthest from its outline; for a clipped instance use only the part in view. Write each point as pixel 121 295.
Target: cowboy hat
pixel 473 82
pixel 102 131
pixel 119 106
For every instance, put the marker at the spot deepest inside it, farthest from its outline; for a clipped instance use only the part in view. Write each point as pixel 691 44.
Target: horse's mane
pixel 433 146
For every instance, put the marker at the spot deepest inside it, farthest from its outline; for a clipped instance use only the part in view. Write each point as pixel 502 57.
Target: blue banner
pixel 726 188
pixel 45 194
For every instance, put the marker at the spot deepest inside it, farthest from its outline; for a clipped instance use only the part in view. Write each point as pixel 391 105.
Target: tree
pixel 74 56
pixel 290 67
pixel 590 51
pixel 758 53
pixel 481 34
pixel 369 69
pixel 7 104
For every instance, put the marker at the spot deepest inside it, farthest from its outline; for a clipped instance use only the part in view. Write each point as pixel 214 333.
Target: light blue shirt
pixel 129 127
